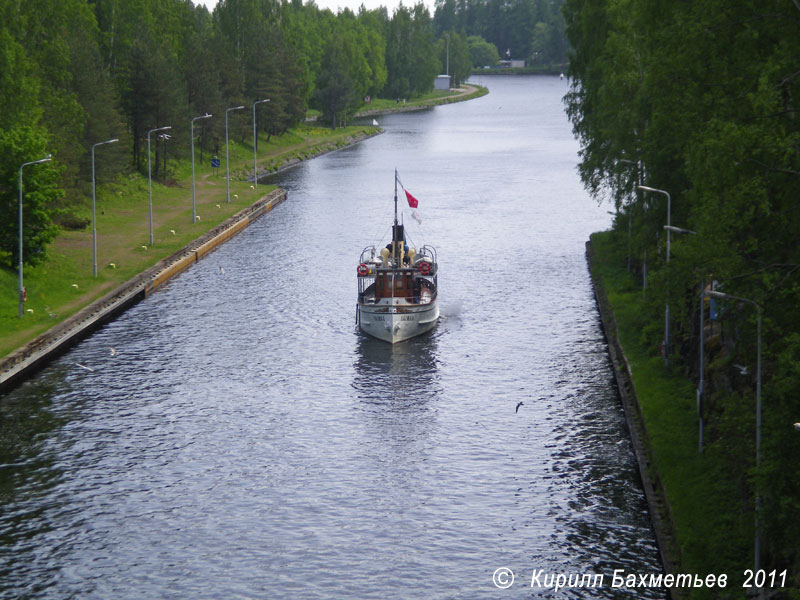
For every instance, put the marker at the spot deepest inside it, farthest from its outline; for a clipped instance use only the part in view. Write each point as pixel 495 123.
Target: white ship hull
pixel 395 323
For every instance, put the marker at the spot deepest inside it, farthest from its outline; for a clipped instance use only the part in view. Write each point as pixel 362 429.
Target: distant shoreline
pixel 467 91
pixel 520 71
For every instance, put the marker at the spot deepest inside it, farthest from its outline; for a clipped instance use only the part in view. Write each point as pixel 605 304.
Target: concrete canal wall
pixel 37 353
pixel 653 489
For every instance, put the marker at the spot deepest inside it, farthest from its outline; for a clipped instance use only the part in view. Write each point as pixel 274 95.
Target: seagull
pixel 221 270
pixel 113 352
pixel 742 369
pixel 520 403
pixel 85 367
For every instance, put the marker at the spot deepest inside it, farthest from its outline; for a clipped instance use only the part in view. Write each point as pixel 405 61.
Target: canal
pixel 244 440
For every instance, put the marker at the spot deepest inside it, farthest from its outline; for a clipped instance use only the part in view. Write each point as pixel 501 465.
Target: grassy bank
pixel 713 533
pixel 64 283
pixel 379 106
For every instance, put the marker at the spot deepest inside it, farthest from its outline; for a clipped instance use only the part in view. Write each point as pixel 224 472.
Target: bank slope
pixel 701 505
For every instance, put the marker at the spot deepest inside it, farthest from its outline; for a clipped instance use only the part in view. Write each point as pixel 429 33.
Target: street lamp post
pixel 150 180
pixel 255 141
pixel 721 296
pixel 630 207
pixel 666 310
pixel 21 287
pixel 191 136
pixel 227 155
pixel 447 68
pixel 678 230
pixel 94 211
pixel 701 385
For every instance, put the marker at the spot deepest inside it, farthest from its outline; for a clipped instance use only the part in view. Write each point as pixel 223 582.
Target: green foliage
pixel 700 99
pixel 78 73
pixel 533 30
pixel 460 61
pixel 344 79
pixel 482 53
pixel 19 87
pixel 704 491
pixel 411 61
pixel 39 190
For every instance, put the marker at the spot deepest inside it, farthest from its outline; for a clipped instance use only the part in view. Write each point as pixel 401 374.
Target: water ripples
pixel 246 441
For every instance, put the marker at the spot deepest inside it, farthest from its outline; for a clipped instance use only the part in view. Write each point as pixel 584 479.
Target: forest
pixel 700 100
pixel 77 72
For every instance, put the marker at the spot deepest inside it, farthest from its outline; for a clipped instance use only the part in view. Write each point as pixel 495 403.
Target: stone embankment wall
pixel 653 489
pixel 34 355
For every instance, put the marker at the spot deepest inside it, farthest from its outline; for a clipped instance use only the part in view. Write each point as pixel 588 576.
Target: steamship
pixel 397 287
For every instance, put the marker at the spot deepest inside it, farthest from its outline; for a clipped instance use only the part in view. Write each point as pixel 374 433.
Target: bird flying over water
pixel 520 403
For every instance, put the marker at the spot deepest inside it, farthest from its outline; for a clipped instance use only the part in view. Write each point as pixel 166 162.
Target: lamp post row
pixel 21 290
pixel 701 385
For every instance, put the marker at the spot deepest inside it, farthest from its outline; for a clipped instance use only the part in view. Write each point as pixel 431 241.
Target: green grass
pixel 386 103
pixel 713 533
pixel 432 98
pixel 64 284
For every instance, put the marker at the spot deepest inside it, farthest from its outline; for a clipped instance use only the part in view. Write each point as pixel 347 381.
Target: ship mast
pixel 395 198
pixel 396 237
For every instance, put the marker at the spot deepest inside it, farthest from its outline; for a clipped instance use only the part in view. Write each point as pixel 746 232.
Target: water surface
pixel 246 441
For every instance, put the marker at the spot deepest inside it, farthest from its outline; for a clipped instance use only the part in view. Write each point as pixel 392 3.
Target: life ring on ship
pixel 425 268
pixel 363 270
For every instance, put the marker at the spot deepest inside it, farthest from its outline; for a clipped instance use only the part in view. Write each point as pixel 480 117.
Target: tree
pixel 460 62
pixel 482 53
pixel 344 79
pixel 41 189
pixel 702 97
pixel 529 29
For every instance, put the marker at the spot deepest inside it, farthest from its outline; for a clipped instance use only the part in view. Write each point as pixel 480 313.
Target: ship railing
pixel 427 252
pixel 367 253
pixel 365 281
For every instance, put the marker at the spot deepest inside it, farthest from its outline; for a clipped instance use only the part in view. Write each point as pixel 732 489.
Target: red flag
pixel 412 202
